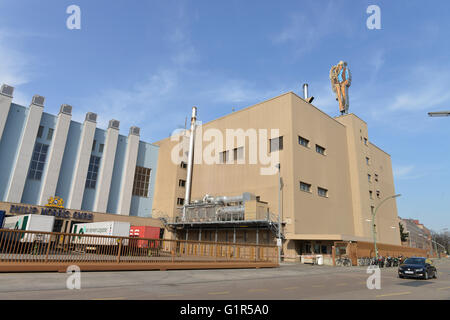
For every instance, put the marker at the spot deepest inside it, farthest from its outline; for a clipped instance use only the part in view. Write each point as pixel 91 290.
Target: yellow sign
pixel 55 202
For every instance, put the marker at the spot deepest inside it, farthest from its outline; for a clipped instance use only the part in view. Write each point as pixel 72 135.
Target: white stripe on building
pixel 25 150
pixel 6 95
pixel 106 167
pixel 129 168
pixel 51 174
pixel 82 162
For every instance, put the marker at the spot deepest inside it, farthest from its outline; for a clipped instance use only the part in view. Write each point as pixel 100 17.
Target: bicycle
pixel 343 262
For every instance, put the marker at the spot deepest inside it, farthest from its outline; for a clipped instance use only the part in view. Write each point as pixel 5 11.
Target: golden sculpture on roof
pixel 341 79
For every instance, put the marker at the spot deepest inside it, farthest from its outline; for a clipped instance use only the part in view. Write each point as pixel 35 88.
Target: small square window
pixel 322 192
pixel 320 149
pixel 305 186
pixel 276 144
pixel 304 142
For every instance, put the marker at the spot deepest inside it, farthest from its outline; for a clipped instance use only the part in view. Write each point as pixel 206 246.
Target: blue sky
pixel 146 63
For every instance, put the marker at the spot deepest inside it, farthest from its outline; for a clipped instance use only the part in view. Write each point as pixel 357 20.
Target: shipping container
pixel 30 222
pixel 145 232
pixel 106 228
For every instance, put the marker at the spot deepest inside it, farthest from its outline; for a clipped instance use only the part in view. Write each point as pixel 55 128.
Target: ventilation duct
pixel 38 100
pixel 135 130
pixel 91 116
pixel 65 108
pixel 114 124
pixel 7 90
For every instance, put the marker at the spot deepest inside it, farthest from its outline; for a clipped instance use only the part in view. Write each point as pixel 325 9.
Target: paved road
pixel 290 281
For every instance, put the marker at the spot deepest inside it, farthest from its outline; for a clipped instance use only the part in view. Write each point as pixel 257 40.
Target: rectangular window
pixel 224 157
pixel 370 194
pixel 322 192
pixel 181 183
pixel 91 179
pixel 183 165
pixel 38 161
pixel 302 141
pixel 101 147
pixel 365 141
pixel 378 194
pixel 180 201
pixel 376 177
pixel 276 144
pixel 367 160
pixel 40 132
pixel 93 145
pixel 141 181
pixel 238 153
pixel 320 149
pixel 305 186
pixel 50 134
pixel 369 178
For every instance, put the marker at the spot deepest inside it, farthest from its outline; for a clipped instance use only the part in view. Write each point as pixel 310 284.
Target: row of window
pixel 41 133
pixel 306 143
pixel 237 154
pixel 378 193
pixel 306 187
pixel 141 178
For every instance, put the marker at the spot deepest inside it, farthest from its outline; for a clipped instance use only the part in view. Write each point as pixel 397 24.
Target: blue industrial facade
pixel 9 145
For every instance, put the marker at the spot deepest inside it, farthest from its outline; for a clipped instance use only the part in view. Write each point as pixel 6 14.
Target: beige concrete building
pixel 332 177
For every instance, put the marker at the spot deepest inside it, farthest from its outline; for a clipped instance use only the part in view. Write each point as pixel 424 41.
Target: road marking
pixel 444 288
pixel 117 298
pixel 394 294
pixel 222 292
pixel 290 288
pixel 258 290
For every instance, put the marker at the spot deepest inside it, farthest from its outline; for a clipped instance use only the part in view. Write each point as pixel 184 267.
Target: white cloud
pixel 402 171
pixel 14 64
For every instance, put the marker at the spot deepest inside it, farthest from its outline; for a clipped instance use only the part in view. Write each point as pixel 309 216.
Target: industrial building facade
pixel 94 171
pixel 332 177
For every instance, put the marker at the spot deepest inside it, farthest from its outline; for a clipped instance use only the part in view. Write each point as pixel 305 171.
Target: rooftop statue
pixel 341 79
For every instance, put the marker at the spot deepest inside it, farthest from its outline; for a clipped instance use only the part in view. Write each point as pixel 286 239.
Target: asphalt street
pixel 288 282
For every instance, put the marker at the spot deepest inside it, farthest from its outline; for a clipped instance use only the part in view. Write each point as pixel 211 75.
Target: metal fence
pixel 17 246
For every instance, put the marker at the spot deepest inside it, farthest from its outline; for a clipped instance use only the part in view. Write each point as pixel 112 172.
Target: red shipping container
pixel 145 232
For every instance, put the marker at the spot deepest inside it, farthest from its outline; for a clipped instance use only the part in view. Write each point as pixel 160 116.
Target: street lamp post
pixel 279 241
pixel 374 212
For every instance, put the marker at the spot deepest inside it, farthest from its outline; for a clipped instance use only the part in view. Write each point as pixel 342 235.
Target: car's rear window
pixel 414 261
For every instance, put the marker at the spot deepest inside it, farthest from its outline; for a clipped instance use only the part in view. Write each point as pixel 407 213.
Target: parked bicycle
pixel 343 262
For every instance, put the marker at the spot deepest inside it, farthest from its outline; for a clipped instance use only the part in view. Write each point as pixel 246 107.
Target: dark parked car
pixel 417 267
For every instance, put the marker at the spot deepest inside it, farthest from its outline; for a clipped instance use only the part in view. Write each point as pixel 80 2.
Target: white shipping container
pixel 107 228
pixel 31 222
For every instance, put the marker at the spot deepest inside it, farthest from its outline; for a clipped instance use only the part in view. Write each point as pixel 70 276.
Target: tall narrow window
pixel 276 144
pixel 183 165
pixel 367 160
pixel 91 179
pixel 93 145
pixel 40 132
pixel 141 181
pixel 180 201
pixel 38 161
pixel 101 147
pixel 50 134
pixel 181 183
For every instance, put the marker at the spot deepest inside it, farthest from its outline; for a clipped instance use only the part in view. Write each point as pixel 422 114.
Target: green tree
pixel 403 235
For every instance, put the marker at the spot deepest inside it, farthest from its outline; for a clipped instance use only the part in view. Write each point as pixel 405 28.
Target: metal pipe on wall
pixel 187 197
